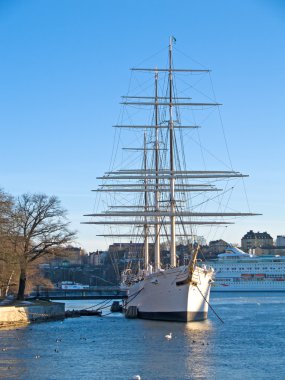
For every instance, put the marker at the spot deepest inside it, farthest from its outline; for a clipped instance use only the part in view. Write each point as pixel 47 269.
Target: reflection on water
pixel 199 345
pixel 12 365
pixel 113 347
pixel 199 326
pixel 14 327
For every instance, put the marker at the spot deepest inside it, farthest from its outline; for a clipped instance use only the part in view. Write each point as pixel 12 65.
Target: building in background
pixel 252 240
pixel 275 251
pixel 280 241
pixel 213 249
pixel 95 258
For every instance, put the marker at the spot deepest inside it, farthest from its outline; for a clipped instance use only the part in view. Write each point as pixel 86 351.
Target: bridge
pixel 92 293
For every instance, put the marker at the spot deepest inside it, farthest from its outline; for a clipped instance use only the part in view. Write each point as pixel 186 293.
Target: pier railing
pixel 102 292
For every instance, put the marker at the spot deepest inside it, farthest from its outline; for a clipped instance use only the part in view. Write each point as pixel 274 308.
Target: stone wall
pixel 27 312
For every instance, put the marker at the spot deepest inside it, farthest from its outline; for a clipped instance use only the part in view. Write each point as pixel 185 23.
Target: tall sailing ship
pixel 155 202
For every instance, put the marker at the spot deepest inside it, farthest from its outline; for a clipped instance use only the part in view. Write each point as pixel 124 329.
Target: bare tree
pixel 39 227
pixel 8 263
pixel 6 204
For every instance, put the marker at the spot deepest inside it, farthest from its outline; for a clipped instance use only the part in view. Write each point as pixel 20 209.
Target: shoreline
pixel 25 312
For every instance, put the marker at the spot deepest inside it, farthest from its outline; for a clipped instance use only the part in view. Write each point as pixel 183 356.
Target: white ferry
pixel 70 285
pixel 237 271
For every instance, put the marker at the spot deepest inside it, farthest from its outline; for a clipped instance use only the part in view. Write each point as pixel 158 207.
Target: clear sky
pixel 64 65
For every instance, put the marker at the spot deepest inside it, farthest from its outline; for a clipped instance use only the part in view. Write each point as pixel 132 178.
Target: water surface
pixel 250 344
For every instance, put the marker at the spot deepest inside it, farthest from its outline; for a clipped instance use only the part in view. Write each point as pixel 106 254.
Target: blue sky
pixel 64 65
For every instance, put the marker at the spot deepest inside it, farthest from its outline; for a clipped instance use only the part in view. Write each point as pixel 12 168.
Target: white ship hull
pixel 169 295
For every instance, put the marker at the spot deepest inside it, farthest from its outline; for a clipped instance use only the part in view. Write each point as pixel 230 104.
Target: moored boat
pixel 237 271
pixel 164 209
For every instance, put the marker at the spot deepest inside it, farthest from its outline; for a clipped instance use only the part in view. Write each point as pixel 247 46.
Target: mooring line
pixel 211 307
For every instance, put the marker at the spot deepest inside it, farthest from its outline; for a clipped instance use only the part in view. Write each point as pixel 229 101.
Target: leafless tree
pixel 39 227
pixel 8 264
pixel 6 204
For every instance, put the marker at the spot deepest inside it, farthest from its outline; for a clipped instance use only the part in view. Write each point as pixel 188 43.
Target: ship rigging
pixel 157 198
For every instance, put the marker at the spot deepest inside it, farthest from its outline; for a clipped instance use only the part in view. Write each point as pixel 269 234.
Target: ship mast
pixel 172 179
pixel 156 201
pixel 146 250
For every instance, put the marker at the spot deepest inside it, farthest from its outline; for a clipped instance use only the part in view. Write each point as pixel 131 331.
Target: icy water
pixel 249 345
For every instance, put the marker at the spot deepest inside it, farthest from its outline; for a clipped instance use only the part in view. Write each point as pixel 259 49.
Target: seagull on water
pixel 137 377
pixel 168 336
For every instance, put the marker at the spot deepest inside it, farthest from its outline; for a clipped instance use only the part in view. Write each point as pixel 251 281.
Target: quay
pixel 96 292
pixel 13 312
